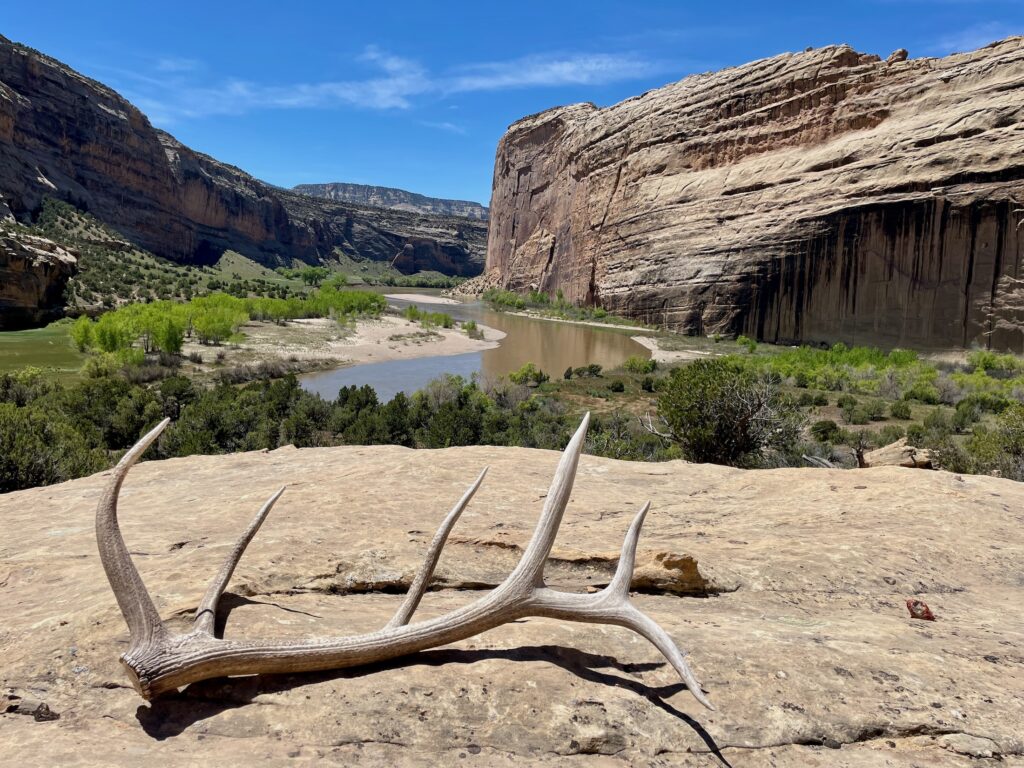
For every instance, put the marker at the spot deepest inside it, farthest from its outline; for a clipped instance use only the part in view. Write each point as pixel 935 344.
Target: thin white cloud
pixel 175 91
pixel 175 64
pixel 974 37
pixel 444 126
pixel 548 71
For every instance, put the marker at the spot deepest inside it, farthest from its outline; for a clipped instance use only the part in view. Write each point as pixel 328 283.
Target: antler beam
pixel 158 660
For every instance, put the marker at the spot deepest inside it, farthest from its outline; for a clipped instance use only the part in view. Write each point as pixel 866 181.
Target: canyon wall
pixel 64 135
pixel 33 273
pixel 389 197
pixel 812 197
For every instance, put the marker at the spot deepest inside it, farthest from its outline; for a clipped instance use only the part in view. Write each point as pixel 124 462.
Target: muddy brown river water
pixel 552 346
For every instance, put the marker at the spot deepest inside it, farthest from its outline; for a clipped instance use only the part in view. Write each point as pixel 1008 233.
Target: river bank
pixel 421 298
pixel 319 343
pixel 663 355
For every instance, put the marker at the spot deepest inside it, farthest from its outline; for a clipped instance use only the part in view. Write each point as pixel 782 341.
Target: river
pixel 551 346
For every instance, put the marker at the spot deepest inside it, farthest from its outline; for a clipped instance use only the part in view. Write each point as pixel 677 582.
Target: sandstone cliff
pixel 820 196
pixel 65 135
pixel 33 273
pixel 787 587
pixel 388 197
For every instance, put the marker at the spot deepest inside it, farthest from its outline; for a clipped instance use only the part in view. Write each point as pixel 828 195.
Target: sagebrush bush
pixel 639 365
pixel 900 409
pixel 722 412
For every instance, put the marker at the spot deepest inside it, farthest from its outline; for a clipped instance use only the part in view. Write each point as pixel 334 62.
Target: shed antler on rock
pixel 159 660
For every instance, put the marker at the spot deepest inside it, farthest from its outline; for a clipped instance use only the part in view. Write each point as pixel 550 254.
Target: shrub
pixel 749 344
pixel 169 335
pixel 568 373
pixel 825 431
pixel 857 415
pixel 846 401
pixel 985 360
pixel 851 410
pixel 587 371
pixel 529 375
pixel 639 365
pixel 111 333
pixel 39 449
pixel 647 385
pixel 617 386
pixel 875 410
pixel 890 433
pixel 936 419
pixel 313 275
pixel 965 418
pixel 985 401
pixel 500 299
pixel 924 392
pixel 81 333
pixel 900 410
pixel 916 434
pixel 722 412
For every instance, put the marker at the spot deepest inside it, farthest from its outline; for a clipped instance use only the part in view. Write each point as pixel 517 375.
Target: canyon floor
pixel 787 587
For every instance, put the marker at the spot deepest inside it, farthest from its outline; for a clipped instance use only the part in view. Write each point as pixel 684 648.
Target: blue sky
pixel 417 94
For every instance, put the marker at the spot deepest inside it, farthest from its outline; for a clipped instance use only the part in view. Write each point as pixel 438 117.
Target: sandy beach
pixel 311 344
pixel 669 355
pixel 421 298
pixel 593 323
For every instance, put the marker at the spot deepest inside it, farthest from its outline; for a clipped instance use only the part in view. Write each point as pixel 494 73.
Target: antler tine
pixel 531 566
pixel 207 611
pixel 635 619
pixel 618 589
pixel 619 584
pixel 419 584
pixel 612 606
pixel 134 601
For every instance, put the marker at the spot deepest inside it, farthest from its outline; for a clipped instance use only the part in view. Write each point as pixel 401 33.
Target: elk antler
pixel 159 661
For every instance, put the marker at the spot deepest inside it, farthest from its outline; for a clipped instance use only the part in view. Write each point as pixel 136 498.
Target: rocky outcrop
pixel 65 135
pixel 389 197
pixel 899 454
pixel 788 588
pixel 33 273
pixel 811 197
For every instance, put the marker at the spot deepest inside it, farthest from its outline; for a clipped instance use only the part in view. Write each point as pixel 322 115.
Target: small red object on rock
pixel 920 610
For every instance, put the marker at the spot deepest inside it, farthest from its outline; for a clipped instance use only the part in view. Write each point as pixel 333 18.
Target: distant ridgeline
pixel 389 197
pixel 65 136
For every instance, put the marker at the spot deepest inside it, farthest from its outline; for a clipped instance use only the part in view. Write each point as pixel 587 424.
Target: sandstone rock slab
pixel 787 587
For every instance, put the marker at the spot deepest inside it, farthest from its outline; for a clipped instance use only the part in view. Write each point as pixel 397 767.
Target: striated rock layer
pixel 33 273
pixel 65 135
pixel 788 587
pixel 819 196
pixel 389 197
